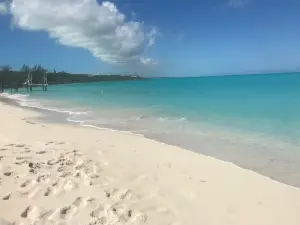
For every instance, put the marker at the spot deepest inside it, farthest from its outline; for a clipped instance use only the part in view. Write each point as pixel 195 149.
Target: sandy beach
pixel 67 174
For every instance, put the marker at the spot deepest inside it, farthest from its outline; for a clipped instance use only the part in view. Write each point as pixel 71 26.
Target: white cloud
pixel 238 3
pixel 152 36
pixel 100 28
pixel 148 61
pixel 3 8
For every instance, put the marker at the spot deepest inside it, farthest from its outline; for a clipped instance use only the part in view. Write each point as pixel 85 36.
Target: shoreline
pixel 257 157
pixel 61 117
pixel 126 179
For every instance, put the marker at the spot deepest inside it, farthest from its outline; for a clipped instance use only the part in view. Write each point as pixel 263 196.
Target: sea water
pixel 250 120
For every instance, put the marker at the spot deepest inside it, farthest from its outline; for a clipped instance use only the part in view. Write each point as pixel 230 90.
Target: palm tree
pixel 25 68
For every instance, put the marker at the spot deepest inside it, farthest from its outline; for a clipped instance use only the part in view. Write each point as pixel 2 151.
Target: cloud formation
pixel 100 28
pixel 238 3
pixel 152 36
pixel 148 61
pixel 3 8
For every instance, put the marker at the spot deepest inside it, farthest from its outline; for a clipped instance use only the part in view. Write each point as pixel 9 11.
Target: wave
pixel 89 119
pixel 83 123
pixel 155 117
pixel 17 97
pixel 24 101
pixel 167 119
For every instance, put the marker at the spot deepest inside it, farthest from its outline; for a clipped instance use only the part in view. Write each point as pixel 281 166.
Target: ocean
pixel 252 121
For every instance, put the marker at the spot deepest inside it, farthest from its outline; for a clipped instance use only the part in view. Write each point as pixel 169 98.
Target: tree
pixel 38 73
pixel 1 80
pixel 25 68
pixel 38 69
pixel 4 72
pixel 5 68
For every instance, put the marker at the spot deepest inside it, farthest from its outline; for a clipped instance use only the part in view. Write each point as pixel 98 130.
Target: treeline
pixel 15 79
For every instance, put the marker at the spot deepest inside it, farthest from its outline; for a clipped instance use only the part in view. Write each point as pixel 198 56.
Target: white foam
pixel 82 123
pixel 166 119
pixel 23 100
pixel 18 97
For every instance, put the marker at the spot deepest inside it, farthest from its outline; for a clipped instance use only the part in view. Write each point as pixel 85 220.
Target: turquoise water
pixel 258 115
pixel 262 104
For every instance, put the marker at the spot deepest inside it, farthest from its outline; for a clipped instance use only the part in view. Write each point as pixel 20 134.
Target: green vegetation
pixel 16 79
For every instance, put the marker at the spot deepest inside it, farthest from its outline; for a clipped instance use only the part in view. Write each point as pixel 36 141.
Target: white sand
pixel 65 174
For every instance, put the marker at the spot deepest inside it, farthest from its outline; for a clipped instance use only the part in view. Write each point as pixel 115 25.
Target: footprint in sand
pixel 83 202
pixel 119 194
pixel 120 214
pixel 50 191
pixel 70 185
pixel 98 180
pixel 41 152
pixel 43 178
pixel 53 142
pixel 79 164
pixel 98 212
pixel 98 221
pixel 35 165
pixel 31 212
pixel 79 202
pixel 69 162
pixel 26 151
pixel 22 157
pixel 22 160
pixel 10 145
pixel 89 169
pixel 45 215
pixel 64 213
pixel 23 194
pixel 28 183
pixel 49 142
pixel 53 162
pixel 117 208
pixel 8 173
pixel 20 145
pixel 55 183
pixel 129 215
pixel 7 196
pixel 94 176
pixel 73 152
pixel 30 193
pixel 66 174
pixel 61 169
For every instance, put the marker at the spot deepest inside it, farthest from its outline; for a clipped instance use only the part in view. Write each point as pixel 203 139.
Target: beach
pixel 54 173
pixel 250 120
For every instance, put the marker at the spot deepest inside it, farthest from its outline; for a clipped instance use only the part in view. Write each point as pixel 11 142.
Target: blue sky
pixel 168 38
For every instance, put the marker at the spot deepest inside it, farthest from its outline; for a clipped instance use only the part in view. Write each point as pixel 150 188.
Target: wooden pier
pixel 29 84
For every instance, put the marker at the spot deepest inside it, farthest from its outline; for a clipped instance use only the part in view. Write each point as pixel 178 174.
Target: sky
pixel 152 38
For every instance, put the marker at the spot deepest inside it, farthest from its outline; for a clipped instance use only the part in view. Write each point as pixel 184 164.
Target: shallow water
pixel 253 121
